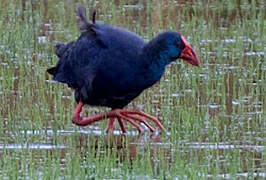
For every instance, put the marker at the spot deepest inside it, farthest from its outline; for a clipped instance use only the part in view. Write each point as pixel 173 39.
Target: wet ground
pixel 214 114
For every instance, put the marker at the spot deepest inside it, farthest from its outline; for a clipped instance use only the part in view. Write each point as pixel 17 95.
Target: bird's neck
pixel 154 60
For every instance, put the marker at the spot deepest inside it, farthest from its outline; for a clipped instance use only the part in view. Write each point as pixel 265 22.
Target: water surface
pixel 214 114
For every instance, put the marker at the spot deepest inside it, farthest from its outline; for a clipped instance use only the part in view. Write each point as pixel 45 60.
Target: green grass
pixel 221 103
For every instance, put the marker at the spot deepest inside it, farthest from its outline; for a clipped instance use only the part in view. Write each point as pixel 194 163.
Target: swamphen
pixel 110 66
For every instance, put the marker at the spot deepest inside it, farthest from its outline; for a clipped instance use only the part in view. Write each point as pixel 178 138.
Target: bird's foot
pixel 134 117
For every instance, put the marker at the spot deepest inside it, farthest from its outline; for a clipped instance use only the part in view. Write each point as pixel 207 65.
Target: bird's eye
pixel 178 44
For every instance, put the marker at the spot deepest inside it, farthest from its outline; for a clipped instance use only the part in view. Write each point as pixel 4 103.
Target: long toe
pixel 122 126
pixel 143 115
pixel 142 120
pixel 110 125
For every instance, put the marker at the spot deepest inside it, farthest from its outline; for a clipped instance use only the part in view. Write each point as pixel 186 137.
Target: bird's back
pixel 102 66
pixel 112 56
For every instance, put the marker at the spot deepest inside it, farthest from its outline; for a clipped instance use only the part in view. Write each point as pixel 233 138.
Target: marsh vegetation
pixel 214 114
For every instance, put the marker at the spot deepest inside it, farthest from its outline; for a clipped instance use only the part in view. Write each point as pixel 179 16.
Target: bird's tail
pixel 84 24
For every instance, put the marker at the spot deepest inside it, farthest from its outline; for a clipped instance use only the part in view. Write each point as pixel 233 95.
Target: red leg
pixel 130 120
pixel 110 125
pixel 121 125
pixel 77 111
pixel 78 120
pixel 130 116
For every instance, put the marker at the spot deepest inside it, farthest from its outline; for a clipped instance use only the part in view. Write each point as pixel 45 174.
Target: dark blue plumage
pixel 110 66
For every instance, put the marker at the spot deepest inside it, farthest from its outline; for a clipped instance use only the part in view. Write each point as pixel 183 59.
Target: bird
pixel 110 66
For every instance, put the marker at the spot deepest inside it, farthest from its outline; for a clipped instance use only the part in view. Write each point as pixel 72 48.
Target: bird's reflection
pixel 124 148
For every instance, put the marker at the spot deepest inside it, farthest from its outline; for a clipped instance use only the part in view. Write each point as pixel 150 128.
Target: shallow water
pixel 214 114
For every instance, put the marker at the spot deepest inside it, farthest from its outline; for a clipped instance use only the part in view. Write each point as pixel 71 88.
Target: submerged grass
pixel 215 114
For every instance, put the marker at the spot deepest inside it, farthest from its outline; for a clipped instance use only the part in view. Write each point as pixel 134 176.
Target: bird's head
pixel 175 46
